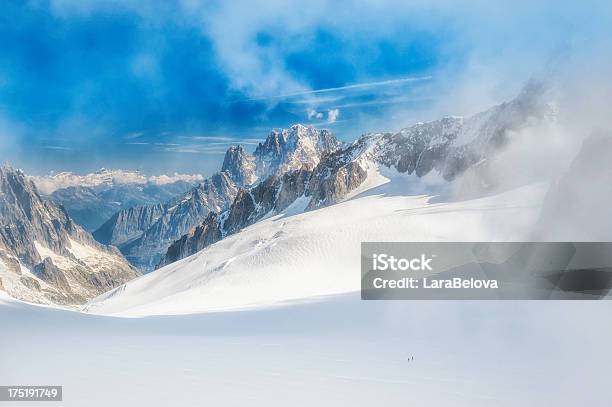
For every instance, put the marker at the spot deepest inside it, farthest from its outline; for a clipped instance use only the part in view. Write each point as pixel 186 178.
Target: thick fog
pixel 570 151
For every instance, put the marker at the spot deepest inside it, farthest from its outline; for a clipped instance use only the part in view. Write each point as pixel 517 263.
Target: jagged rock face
pixel 243 209
pixel 128 224
pixel 419 148
pixel 339 173
pixel 274 194
pixel 447 146
pixel 150 241
pixel 289 149
pixel 26 217
pixel 49 272
pixel 44 256
pixel 284 151
pixel 198 238
pixel 293 185
pixel 239 165
pixel 91 206
pixel 252 205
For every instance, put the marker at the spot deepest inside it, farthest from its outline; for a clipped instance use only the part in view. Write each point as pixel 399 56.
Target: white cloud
pixel 313 114
pixel 356 86
pixel 332 115
pixel 50 183
pixel 51 147
pixel 134 135
pixel 526 32
pixel 260 70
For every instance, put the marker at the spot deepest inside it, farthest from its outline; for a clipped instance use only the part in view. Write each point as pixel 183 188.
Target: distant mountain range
pixel 45 256
pixel 444 148
pixel 93 198
pixel 144 233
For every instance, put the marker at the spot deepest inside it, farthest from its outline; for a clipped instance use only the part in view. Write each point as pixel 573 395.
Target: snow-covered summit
pixel 239 165
pixel 289 149
pixel 438 148
pixel 145 233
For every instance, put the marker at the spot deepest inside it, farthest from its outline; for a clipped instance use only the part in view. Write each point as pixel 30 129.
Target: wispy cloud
pixel 386 102
pixel 332 115
pixel 135 135
pixel 346 88
pixel 226 140
pixel 61 148
pixel 313 114
pixel 209 138
pixel 314 100
pixel 201 145
pixel 194 149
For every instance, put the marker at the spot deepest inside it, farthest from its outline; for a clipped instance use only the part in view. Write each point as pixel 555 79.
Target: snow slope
pixel 314 254
pixel 12 283
pixel 340 352
pixel 335 351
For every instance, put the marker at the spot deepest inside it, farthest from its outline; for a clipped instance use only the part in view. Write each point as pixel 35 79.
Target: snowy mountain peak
pixel 288 149
pixel 446 147
pixel 144 234
pixel 44 256
pixel 239 165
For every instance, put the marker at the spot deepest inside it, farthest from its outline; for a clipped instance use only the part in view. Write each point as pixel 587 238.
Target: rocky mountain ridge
pixel 289 149
pixel 92 199
pixel 143 234
pixel 45 256
pixel 446 147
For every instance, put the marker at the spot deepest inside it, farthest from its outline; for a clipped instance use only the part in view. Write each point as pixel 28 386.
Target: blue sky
pixel 166 86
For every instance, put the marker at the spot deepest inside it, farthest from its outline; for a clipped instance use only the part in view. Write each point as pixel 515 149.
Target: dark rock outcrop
pixel 239 165
pixel 198 238
pixel 178 216
pixel 274 194
pixel 128 224
pixel 48 272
